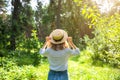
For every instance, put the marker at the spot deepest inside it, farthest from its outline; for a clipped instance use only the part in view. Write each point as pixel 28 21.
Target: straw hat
pixel 58 36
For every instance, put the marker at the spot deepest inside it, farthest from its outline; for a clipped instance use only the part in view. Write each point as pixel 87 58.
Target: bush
pixel 106 43
pixel 27 50
pixel 11 71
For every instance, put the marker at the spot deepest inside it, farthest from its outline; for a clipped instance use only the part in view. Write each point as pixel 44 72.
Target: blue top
pixel 58 60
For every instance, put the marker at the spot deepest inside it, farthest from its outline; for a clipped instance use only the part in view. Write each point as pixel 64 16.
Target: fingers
pixel 72 45
pixel 69 39
pixel 48 44
pixel 48 38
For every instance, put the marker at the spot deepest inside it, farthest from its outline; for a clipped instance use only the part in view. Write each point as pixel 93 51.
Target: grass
pixel 80 68
pixel 79 71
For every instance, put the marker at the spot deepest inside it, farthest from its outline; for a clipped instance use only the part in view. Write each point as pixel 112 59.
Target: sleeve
pixel 43 52
pixel 74 51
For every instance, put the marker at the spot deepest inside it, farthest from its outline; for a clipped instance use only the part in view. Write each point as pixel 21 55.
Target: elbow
pixel 41 51
pixel 77 52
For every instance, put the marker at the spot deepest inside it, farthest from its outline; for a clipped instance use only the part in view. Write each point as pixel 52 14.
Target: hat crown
pixel 57 35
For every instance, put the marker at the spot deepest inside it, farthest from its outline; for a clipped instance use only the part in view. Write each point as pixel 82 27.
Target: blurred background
pixel 93 24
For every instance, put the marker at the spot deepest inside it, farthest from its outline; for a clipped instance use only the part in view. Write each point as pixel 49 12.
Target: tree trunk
pixel 58 11
pixel 15 23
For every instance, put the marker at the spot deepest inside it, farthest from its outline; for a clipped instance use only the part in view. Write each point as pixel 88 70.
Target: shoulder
pixel 75 51
pixel 67 50
pixel 45 50
pixel 48 49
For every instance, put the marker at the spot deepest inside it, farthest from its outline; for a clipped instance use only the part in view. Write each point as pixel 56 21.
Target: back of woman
pixel 58 48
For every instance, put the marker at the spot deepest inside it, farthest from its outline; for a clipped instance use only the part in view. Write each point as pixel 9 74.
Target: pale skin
pixel 68 43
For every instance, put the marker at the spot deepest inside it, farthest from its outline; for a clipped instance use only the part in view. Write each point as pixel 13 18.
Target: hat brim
pixel 61 41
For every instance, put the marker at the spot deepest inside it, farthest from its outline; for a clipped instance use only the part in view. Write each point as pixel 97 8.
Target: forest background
pixel 95 30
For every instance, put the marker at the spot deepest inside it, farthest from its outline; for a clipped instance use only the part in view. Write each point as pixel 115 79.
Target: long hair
pixel 59 46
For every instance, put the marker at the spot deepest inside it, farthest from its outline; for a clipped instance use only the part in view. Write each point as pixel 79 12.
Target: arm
pixel 74 50
pixel 44 45
pixel 71 44
pixel 47 43
pixel 43 50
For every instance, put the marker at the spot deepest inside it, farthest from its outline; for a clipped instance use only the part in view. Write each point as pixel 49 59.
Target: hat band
pixel 58 40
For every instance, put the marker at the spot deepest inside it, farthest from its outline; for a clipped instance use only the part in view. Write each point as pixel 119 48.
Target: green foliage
pixel 78 17
pixel 4 34
pixel 11 71
pixel 43 19
pixel 82 69
pixel 27 50
pixel 31 44
pixel 87 72
pixel 105 44
pixel 23 73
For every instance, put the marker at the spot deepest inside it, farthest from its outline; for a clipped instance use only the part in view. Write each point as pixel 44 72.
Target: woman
pixel 58 48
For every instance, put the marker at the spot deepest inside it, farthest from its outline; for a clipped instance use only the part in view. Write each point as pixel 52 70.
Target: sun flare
pixel 106 6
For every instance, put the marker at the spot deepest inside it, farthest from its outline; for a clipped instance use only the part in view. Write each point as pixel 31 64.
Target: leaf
pixel 83 11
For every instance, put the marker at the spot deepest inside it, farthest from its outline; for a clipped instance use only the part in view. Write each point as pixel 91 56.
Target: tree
pixel 39 13
pixel 15 22
pixel 48 18
pixel 58 12
pixel 66 15
pixel 2 6
pixel 27 18
pixel 4 28
pixel 74 21
pixel 22 20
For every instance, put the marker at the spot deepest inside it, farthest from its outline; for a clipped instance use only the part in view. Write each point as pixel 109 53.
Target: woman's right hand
pixel 48 41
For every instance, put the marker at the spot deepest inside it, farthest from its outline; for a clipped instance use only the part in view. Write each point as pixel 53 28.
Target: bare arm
pixel 47 43
pixel 70 42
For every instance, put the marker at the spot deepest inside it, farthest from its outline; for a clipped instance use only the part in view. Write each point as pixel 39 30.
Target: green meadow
pixel 79 68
